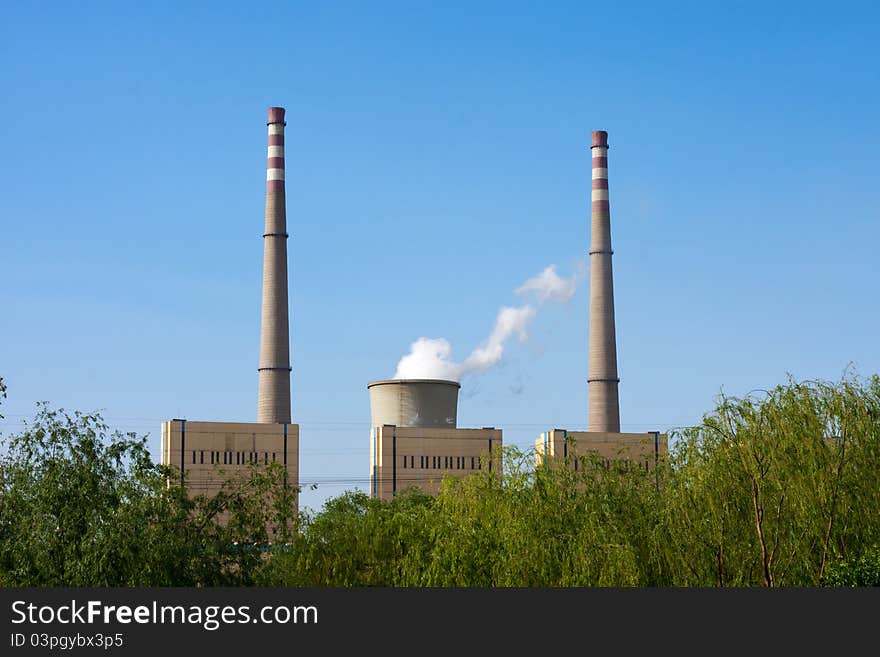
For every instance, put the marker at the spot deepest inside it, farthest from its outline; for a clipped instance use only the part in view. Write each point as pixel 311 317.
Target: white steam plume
pixel 428 358
pixel 548 286
pixel 431 358
pixel 510 321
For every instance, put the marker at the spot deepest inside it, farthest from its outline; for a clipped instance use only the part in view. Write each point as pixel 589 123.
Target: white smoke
pixel 428 358
pixel 548 286
pixel 510 321
pixel 431 358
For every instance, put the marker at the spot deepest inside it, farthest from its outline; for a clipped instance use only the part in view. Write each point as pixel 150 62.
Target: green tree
pixel 772 486
pixel 83 506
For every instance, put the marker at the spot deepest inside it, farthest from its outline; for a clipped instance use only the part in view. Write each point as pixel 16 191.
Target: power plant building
pixel 210 454
pixel 574 448
pixel 415 441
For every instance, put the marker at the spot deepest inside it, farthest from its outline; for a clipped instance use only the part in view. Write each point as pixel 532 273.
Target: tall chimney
pixel 273 401
pixel 602 381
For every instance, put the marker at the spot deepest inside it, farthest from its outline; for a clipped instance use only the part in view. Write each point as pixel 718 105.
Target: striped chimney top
pixel 602 379
pixel 273 399
pixel 275 161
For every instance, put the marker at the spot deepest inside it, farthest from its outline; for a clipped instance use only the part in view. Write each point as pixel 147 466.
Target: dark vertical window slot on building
pixel 194 457
pixel 202 457
pixel 472 463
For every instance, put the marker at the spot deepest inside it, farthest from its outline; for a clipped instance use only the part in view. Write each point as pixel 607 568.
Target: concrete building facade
pixel 642 450
pixel 210 454
pixel 418 457
pixel 414 440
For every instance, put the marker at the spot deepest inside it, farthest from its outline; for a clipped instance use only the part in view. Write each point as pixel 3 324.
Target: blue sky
pixel 437 157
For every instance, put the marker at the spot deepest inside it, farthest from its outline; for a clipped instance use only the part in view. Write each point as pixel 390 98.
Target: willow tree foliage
pixel 777 488
pixel 81 506
pixel 780 488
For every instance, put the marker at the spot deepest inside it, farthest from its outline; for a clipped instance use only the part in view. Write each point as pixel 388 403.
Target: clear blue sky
pixel 437 157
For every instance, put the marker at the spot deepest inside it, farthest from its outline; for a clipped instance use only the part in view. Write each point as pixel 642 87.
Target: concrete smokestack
pixel 273 401
pixel 602 381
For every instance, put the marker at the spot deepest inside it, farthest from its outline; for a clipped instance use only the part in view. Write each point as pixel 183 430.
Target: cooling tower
pixel 602 381
pixel 427 403
pixel 273 400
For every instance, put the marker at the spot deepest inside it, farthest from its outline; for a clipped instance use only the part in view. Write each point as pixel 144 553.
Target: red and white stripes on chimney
pixel 275 161
pixel 599 196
